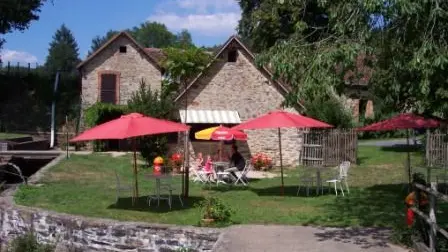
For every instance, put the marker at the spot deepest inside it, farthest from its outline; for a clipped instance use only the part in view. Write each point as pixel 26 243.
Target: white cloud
pixel 204 5
pixel 17 56
pixel 205 24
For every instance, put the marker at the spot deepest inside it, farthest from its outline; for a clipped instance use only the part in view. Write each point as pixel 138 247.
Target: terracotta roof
pixel 281 85
pixel 156 53
pixel 133 41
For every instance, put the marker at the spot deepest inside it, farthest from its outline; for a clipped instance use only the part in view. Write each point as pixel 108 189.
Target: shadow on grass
pixel 402 148
pixel 142 204
pixel 361 160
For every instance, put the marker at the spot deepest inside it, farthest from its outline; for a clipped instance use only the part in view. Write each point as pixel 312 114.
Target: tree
pixel 183 39
pixel 63 52
pixel 153 34
pixel 17 15
pixel 98 41
pixel 151 103
pixel 181 66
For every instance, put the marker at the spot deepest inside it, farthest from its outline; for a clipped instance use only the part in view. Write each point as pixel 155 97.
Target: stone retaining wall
pixel 103 235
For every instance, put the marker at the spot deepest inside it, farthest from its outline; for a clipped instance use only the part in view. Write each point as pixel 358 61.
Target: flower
pixel 260 160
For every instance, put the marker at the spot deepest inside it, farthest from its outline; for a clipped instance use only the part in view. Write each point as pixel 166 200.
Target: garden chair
pixel 307 181
pixel 341 177
pixel 120 187
pixel 241 176
pixel 220 175
pixel 168 188
pixel 197 172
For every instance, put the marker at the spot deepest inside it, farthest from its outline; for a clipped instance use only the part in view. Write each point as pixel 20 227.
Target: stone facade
pixel 131 67
pixel 88 234
pixel 241 87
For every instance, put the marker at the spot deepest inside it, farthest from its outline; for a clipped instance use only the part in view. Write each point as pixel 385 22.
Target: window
pixel 123 49
pixel 232 55
pixel 108 88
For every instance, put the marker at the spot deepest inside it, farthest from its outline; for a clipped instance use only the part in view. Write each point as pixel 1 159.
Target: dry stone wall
pixel 103 235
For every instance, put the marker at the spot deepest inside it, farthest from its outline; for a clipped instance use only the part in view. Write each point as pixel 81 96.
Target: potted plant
pixel 214 210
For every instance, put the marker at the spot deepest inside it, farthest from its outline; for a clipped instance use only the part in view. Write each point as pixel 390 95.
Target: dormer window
pixel 123 49
pixel 232 55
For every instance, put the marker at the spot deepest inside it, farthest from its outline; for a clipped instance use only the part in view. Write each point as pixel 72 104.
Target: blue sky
pixel 209 21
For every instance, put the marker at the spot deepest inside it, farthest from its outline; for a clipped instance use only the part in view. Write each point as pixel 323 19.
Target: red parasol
pixel 281 119
pixel 226 134
pixel 129 126
pixel 400 122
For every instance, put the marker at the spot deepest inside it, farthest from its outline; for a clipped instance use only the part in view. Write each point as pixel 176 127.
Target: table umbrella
pixel 281 119
pixel 221 134
pixel 403 121
pixel 130 126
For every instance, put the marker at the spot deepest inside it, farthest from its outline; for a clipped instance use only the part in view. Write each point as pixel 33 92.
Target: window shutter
pixel 108 88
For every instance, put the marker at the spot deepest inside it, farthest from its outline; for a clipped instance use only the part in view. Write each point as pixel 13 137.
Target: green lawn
pixel 85 185
pixel 4 135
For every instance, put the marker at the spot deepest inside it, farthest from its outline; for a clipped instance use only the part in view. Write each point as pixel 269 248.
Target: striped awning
pixel 210 116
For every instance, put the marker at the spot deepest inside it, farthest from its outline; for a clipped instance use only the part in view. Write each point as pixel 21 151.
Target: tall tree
pixel 153 34
pixel 183 39
pixel 17 15
pixel 63 52
pixel 98 41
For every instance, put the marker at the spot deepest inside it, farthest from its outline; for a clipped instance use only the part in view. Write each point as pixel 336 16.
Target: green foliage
pixel 100 113
pixel 184 64
pixel 214 208
pixel 330 110
pixel 28 243
pixel 153 104
pixel 17 15
pixel 99 41
pixel 153 34
pixel 26 97
pixel 63 52
pixel 183 39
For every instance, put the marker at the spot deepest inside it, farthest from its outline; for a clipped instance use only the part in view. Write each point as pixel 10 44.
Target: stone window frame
pixel 117 84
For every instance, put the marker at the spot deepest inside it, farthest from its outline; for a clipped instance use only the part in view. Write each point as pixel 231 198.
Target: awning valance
pixel 210 116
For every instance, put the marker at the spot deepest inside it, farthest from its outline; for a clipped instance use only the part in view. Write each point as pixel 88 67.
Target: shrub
pixel 214 208
pixel 329 109
pixel 100 113
pixel 151 103
pixel 261 160
pixel 28 243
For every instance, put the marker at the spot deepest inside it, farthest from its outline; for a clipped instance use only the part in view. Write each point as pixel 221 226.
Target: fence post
pixel 432 217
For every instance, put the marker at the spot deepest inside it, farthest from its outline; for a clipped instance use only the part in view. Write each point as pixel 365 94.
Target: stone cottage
pixel 230 90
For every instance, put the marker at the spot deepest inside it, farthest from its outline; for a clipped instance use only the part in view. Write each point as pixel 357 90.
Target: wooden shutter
pixel 108 92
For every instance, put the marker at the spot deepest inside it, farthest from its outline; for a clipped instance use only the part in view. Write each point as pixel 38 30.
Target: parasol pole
pixel 135 173
pixel 408 158
pixel 281 159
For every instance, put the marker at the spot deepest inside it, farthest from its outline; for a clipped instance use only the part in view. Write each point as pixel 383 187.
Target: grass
pixel 4 135
pixel 85 185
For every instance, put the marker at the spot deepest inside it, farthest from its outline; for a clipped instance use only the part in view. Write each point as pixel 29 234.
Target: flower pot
pixel 207 222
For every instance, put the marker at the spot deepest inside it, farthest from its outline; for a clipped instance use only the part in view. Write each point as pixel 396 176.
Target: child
pixel 199 161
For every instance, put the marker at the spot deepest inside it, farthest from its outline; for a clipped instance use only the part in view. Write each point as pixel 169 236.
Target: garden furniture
pixel 220 174
pixel 165 186
pixel 341 177
pixel 120 187
pixel 241 176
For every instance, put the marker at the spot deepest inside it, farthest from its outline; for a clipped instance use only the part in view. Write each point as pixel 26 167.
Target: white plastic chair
pixel 342 177
pixel 219 175
pixel 121 187
pixel 167 187
pixel 241 176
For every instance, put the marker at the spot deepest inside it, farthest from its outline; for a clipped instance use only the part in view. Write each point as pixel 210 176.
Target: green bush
pixel 151 103
pixel 28 243
pixel 100 113
pixel 329 109
pixel 214 208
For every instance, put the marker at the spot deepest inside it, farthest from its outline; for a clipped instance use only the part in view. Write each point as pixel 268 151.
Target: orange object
pixel 409 217
pixel 158 162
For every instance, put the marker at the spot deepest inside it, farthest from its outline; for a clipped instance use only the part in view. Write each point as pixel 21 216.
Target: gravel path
pixel 307 239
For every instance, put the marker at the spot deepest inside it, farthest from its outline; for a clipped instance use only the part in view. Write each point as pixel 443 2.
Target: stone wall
pixel 242 87
pixel 102 235
pixel 132 67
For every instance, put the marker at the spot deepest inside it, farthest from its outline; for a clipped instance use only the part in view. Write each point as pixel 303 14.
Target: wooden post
pixel 281 158
pixel 66 135
pixel 408 158
pixel 432 217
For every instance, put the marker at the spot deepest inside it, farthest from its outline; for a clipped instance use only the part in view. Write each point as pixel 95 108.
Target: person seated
pixel 199 161
pixel 237 162
pixel 208 168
